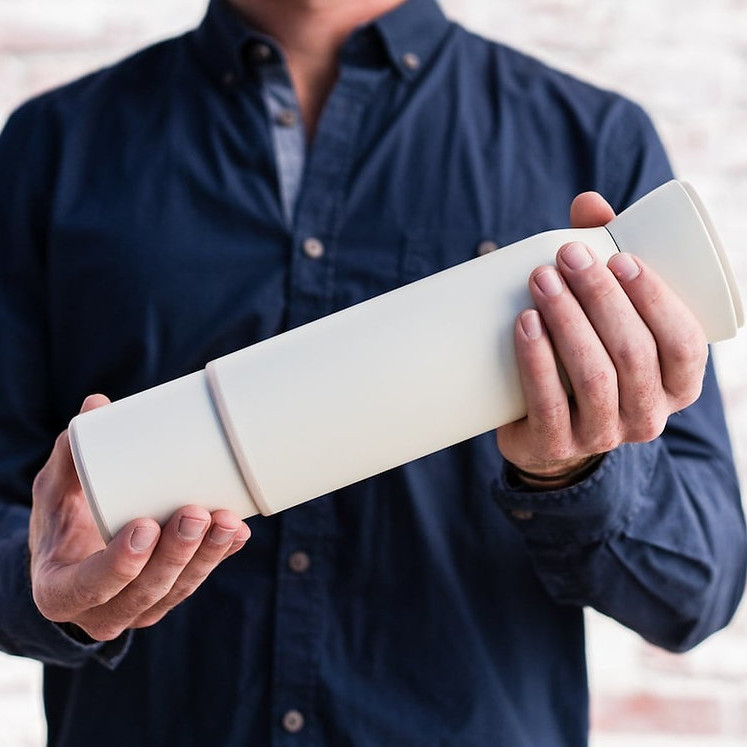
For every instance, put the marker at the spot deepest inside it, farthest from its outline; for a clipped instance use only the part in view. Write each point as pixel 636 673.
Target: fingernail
pixel 576 255
pixel 191 529
pixel 142 538
pixel 530 323
pixel 624 267
pixel 549 281
pixel 221 535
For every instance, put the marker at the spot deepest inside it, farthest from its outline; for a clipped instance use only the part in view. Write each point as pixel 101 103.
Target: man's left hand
pixel 632 351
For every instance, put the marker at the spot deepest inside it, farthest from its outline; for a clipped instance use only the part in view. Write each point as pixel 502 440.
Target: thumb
pixel 60 469
pixel 589 210
pixel 92 401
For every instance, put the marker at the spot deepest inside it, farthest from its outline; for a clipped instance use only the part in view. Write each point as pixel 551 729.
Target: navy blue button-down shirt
pixel 168 210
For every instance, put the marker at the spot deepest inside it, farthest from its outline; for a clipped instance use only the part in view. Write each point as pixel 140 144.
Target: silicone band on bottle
pixel 239 456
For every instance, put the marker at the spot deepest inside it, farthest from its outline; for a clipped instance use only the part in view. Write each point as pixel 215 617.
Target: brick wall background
pixel 687 64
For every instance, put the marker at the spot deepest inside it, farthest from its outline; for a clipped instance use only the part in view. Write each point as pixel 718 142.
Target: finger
pixel 236 545
pixel 65 455
pixel 59 471
pixel 680 340
pixel 642 401
pixel 223 520
pixel 227 535
pixel 544 435
pixel 178 543
pixel 589 210
pixel 589 368
pixel 72 590
pixel 94 401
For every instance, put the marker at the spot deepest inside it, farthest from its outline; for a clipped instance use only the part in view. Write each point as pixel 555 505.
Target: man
pixel 287 159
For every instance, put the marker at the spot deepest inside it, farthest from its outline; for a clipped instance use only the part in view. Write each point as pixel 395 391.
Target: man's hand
pixel 632 351
pixel 134 580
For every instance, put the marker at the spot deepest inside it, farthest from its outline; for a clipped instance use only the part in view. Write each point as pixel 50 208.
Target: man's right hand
pixel 132 582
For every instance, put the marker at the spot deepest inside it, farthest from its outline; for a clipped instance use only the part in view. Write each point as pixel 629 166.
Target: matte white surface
pixel 673 234
pixel 387 381
pixel 373 386
pixel 154 452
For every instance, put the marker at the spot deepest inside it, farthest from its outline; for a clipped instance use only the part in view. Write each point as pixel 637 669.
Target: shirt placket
pixel 286 126
pixel 305 546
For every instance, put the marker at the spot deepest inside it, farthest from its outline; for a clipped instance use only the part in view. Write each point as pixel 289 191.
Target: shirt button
pixel 486 247
pixel 299 561
pixel 286 118
pixel 261 52
pixel 522 515
pixel 293 721
pixel 313 248
pixel 411 61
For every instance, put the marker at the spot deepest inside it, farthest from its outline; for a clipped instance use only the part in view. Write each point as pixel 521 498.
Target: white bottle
pixel 373 386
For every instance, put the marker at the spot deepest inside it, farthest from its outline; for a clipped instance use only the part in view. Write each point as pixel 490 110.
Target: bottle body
pixel 387 381
pixel 373 386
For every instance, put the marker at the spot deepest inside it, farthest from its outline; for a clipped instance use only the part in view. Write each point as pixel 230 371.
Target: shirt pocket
pixel 429 251
pixel 368 266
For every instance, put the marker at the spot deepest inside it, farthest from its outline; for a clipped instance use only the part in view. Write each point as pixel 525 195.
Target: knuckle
pixel 150 618
pixel 184 588
pixel 102 631
pixel 175 556
pixel 695 391
pixel 236 545
pixel 552 442
pixel 685 372
pixel 87 596
pixel 680 353
pixel 187 583
pixel 600 436
pixel 41 481
pixel 208 554
pixel 654 300
pixel 143 598
pixel 558 453
pixel 601 288
pixel 687 395
pixel 549 413
pixel 599 383
pixel 648 425
pixel 61 442
pixel 124 568
pixel 600 432
pixel 688 348
pixel 637 359
pixel 46 607
pixel 603 442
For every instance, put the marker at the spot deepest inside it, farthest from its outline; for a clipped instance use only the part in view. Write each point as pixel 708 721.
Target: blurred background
pixel 686 63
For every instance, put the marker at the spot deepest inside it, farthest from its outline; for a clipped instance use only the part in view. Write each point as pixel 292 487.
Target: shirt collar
pixel 410 34
pixel 223 38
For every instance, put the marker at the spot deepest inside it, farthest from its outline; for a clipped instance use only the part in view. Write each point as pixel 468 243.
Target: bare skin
pixel 134 580
pixel 634 354
pixel 311 33
pixel 632 350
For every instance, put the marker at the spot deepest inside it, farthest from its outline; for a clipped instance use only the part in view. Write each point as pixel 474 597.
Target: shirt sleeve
pixel 655 536
pixel 23 630
pixel 28 425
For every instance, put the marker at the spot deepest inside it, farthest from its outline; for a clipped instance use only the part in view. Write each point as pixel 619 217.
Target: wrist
pixel 556 481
